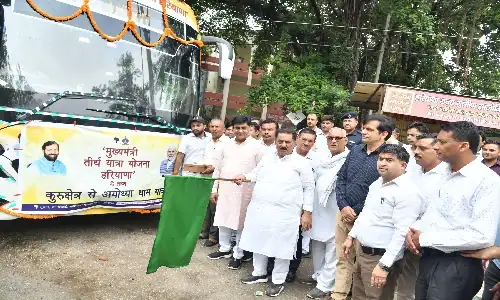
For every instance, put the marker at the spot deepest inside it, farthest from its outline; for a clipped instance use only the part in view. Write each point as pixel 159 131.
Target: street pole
pixel 225 95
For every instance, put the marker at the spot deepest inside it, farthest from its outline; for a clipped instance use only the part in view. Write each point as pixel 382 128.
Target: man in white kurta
pixel 284 191
pixel 324 215
pixel 236 156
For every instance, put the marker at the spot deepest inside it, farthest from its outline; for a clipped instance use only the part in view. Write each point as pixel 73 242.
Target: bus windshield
pixel 39 57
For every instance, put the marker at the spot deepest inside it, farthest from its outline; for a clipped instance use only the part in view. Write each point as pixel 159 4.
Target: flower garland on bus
pixel 129 25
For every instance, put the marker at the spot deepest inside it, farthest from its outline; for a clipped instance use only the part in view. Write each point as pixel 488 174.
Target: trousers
pixel 295 262
pixel 324 264
pixel 225 242
pixel 447 276
pixel 280 269
pixel 405 289
pixel 491 277
pixel 345 266
pixel 208 228
pixel 363 269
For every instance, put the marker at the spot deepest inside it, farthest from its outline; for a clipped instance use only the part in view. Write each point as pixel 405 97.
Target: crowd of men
pixel 383 219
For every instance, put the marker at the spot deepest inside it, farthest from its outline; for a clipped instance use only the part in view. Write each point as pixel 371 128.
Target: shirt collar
pixel 376 151
pixel 468 170
pixel 399 181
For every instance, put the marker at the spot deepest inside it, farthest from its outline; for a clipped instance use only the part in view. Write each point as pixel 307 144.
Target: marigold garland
pixel 46 217
pixel 129 25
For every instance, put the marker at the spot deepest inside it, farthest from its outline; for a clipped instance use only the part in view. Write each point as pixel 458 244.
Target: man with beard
pixel 48 164
pixel 321 144
pixel 284 192
pixel 415 129
pixel 323 217
pixel 241 154
pixel 191 151
pixel 491 155
pixel 463 216
pixel 350 122
pixel 268 133
pixel 427 174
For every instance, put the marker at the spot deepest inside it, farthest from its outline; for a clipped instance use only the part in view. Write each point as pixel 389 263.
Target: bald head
pixel 337 140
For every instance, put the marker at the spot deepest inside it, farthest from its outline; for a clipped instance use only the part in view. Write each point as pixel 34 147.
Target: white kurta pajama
pixel 230 160
pixel 323 228
pixel 284 187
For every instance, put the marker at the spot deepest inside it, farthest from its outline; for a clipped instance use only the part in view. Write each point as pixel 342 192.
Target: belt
pixel 435 252
pixel 372 251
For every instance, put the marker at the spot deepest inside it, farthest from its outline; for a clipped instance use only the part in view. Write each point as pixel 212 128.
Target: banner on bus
pixel 66 169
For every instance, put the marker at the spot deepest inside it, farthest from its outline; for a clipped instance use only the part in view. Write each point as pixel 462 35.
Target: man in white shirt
pixel 191 151
pixel 209 231
pixel 392 205
pixel 305 141
pixel 312 122
pixel 321 144
pixel 324 216
pixel 268 133
pixel 283 192
pixel 463 216
pixel 414 129
pixel 427 174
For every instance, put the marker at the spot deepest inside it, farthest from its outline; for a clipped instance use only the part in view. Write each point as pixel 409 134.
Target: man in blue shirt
pixel 349 122
pixel 356 175
pixel 48 164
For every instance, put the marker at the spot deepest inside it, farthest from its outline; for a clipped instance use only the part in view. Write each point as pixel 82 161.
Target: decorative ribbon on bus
pixel 65 168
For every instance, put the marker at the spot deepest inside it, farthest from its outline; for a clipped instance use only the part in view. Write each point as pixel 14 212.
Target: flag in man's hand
pixel 184 205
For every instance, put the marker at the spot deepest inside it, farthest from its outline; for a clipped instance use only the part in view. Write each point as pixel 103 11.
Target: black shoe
pixel 202 237
pixel 308 281
pixel 255 279
pixel 316 293
pixel 219 255
pixel 275 290
pixel 290 277
pixel 234 264
pixel 248 256
pixel 210 243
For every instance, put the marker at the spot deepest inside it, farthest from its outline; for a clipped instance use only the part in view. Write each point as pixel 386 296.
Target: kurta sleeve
pixel 406 211
pixel 307 179
pixel 218 163
pixel 252 176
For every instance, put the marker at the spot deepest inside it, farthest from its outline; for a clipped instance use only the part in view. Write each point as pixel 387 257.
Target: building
pixel 242 80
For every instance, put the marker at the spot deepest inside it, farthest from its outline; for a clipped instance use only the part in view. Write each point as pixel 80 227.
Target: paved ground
pixel 105 257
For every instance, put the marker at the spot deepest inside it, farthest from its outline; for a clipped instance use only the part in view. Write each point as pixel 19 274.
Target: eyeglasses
pixel 337 138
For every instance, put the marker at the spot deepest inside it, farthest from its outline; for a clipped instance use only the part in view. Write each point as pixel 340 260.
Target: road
pixel 105 257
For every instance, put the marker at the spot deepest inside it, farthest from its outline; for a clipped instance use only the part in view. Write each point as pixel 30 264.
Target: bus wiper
pixel 156 119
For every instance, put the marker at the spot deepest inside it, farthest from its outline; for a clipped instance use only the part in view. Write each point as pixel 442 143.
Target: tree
pixel 298 84
pixel 347 34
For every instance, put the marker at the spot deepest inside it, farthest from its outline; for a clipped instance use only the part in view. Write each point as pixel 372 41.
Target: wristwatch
pixel 384 267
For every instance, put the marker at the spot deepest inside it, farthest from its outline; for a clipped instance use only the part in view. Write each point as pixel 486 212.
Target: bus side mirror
pixel 226 55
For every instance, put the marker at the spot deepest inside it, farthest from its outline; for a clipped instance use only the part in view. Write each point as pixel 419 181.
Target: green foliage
pixel 349 37
pixel 302 85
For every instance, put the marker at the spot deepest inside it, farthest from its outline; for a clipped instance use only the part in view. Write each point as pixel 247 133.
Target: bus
pixel 129 69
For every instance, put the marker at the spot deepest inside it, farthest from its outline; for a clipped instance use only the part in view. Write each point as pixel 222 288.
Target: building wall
pixel 241 81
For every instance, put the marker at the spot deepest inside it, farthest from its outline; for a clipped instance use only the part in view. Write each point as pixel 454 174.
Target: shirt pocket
pixel 384 208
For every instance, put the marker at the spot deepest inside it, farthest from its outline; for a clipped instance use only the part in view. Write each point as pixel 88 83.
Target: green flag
pixel 185 201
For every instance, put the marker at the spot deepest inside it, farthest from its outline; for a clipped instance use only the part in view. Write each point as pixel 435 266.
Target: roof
pixel 369 95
